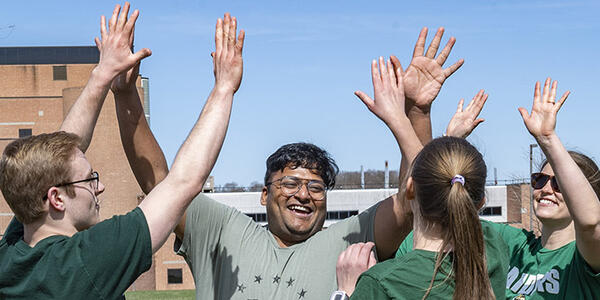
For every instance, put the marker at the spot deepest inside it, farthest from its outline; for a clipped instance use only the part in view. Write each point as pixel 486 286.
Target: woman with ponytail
pixel 564 262
pixel 455 255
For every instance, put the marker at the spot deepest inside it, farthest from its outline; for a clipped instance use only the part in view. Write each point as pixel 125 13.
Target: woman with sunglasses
pixel 564 262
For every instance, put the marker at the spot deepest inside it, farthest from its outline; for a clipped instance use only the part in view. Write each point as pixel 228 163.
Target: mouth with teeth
pixel 547 202
pixel 300 211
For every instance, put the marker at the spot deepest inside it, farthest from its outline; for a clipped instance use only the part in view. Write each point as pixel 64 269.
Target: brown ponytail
pixel 453 205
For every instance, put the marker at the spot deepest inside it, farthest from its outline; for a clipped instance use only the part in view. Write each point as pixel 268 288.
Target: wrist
pixel 546 141
pixel 412 108
pixel 125 92
pixel 224 90
pixel 418 112
pixel 339 295
pixel 102 76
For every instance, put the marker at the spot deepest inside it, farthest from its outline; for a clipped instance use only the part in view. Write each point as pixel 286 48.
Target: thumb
pixel 524 113
pixel 98 44
pixel 138 56
pixel 365 99
pixel 372 260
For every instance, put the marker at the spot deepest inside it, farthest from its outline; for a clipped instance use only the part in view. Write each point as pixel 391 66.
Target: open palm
pixel 425 75
pixel 542 120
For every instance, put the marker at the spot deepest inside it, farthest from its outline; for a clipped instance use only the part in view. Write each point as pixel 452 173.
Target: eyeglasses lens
pixel 291 186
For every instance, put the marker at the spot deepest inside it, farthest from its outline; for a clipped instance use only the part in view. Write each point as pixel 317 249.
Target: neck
pixel 556 235
pixel 281 242
pixel 39 230
pixel 427 236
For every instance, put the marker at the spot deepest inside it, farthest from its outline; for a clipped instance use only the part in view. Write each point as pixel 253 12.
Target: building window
pixel 24 132
pixel 491 211
pixel 174 276
pixel 258 217
pixel 340 215
pixel 59 72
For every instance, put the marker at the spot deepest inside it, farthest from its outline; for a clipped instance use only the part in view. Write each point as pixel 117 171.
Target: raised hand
pixel 464 121
pixel 355 260
pixel 542 120
pixel 389 93
pixel 116 43
pixel 227 58
pixel 425 75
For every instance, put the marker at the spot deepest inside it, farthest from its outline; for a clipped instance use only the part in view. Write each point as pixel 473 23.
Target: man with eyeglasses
pixel 58 249
pixel 233 257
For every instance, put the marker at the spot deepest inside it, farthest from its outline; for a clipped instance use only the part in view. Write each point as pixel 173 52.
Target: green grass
pixel 161 295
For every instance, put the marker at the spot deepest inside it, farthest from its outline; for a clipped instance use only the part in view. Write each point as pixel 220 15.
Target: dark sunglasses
pixel 539 180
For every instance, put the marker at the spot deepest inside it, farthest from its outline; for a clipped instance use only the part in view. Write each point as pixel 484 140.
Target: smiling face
pixel 548 204
pixel 293 219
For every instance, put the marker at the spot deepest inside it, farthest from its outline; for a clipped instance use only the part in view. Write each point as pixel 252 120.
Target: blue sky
pixel 304 59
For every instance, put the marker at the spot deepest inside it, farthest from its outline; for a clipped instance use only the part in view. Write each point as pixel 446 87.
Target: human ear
pixel 55 199
pixel 410 189
pixel 263 196
pixel 481 203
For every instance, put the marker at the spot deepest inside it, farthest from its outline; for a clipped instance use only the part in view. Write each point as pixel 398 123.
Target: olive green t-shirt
pixel 539 273
pixel 408 275
pixel 98 263
pixel 233 257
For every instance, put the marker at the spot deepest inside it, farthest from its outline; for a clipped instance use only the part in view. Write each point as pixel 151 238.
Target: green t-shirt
pixel 233 257
pixel 408 275
pixel 539 273
pixel 98 263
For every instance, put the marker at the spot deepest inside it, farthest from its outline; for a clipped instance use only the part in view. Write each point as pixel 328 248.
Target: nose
pixel 547 188
pixel 303 193
pixel 100 188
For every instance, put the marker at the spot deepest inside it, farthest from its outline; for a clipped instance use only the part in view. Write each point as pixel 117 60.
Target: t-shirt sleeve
pixel 591 277
pixel 356 229
pixel 14 232
pixel 514 238
pixel 115 252
pixel 368 288
pixel 205 222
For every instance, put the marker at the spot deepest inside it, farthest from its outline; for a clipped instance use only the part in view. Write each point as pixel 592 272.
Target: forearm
pixel 83 115
pixel 192 165
pixel 579 195
pixel 393 219
pixel 145 157
pixel 421 123
pixel 407 138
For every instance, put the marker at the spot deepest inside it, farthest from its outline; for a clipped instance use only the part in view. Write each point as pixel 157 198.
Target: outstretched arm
pixel 464 121
pixel 392 219
pixel 198 154
pixel 424 78
pixel 115 57
pixel 141 148
pixel 578 194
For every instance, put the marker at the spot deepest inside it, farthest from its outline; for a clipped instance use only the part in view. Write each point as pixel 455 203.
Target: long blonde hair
pixel 453 205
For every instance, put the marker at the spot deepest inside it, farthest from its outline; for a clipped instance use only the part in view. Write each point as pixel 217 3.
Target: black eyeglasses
pixel 539 180
pixel 93 182
pixel 290 185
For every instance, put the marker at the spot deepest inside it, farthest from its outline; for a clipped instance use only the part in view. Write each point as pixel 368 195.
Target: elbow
pixel 187 183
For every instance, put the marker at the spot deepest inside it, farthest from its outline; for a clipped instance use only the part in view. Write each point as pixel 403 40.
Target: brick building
pixel 38 85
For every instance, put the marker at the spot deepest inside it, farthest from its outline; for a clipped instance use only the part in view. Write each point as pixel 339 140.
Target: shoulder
pixel 387 270
pixel 515 238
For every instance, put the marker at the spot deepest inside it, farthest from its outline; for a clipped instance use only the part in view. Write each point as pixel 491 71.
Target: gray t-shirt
pixel 233 257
